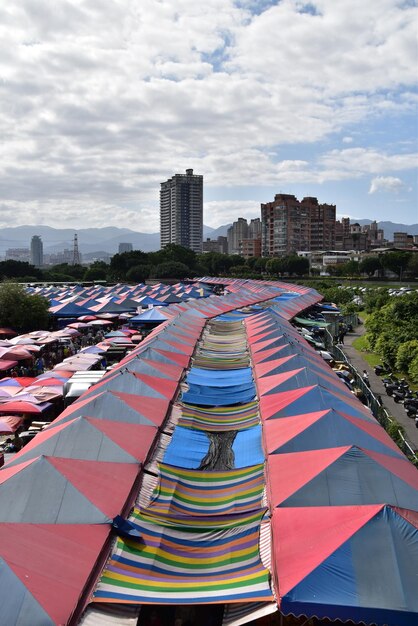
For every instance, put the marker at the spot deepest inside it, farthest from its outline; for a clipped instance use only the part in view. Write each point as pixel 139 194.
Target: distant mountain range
pixel 90 240
pixel 391 227
pixel 97 241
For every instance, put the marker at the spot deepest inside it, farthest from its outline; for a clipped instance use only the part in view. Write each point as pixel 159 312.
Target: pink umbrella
pixel 9 392
pixel 23 407
pixel 78 325
pixel 33 348
pixel 24 396
pixel 6 364
pixel 45 394
pixel 15 353
pixel 21 341
pixel 47 382
pixel 9 424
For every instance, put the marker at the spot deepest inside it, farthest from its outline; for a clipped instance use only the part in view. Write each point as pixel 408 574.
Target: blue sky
pixel 100 102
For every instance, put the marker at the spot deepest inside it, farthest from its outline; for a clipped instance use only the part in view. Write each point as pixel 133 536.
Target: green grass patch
pixel 360 344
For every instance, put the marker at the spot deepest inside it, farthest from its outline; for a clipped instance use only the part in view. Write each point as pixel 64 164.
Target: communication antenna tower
pixel 76 252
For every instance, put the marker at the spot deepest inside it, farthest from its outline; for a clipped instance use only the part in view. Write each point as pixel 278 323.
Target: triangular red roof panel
pixel 271 404
pixel 108 484
pixel 53 561
pixel 263 369
pixel 181 359
pixel 154 409
pixel 303 537
pixel 173 371
pixel 278 432
pixel 136 439
pixel 266 384
pixel 263 345
pixel 290 471
pixel 401 467
pixel 164 386
pixel 261 356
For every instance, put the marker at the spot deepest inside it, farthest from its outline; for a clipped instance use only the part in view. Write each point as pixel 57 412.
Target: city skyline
pixel 261 97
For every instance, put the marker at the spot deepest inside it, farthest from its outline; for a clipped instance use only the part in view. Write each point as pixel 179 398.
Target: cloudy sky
pixel 101 100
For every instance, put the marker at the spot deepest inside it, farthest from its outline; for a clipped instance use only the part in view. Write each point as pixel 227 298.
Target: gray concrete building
pixel 181 211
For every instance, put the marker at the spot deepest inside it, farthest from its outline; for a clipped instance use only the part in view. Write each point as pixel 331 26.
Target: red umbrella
pixel 25 381
pixel 9 424
pixel 47 382
pixel 86 318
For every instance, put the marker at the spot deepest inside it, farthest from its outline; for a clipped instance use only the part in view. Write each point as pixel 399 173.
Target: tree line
pixel 177 262
pixel 172 262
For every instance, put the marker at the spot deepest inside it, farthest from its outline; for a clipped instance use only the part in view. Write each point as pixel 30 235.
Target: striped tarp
pixel 183 492
pixel 171 566
pixel 216 419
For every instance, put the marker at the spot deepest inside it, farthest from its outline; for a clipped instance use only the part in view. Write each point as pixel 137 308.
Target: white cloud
pixel 386 184
pixel 358 162
pixel 101 102
pixel 348 140
pixel 217 213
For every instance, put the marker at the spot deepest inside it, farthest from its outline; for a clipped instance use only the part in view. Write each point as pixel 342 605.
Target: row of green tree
pixel 392 332
pixel 172 262
pixel 177 262
pixel 400 263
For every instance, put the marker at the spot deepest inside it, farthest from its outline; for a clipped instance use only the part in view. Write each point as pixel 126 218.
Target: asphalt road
pixel 395 410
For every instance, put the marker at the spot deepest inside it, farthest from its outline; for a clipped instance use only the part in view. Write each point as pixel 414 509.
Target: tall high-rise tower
pixel 36 251
pixel 181 211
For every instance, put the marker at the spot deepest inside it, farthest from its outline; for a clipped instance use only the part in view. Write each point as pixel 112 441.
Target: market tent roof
pixel 293 361
pixel 150 315
pixel 354 563
pixel 202 396
pixel 91 439
pixel 148 300
pixel 45 588
pixel 151 366
pixel 51 490
pixel 156 354
pixel 246 446
pixel 118 407
pixel 219 378
pixel 341 476
pixel 228 569
pixel 299 378
pixel 325 429
pixel 69 309
pixel 298 401
pixel 131 383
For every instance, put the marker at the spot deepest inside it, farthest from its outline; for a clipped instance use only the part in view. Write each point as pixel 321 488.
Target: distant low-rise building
pixel 216 245
pixel 402 240
pixel 59 258
pixel 18 254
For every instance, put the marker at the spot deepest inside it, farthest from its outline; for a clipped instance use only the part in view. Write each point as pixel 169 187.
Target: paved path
pixel 376 385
